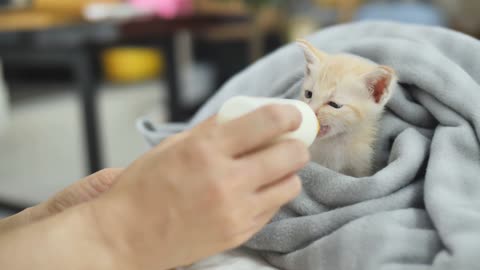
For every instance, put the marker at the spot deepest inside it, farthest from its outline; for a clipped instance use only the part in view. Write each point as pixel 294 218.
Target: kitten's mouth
pixel 324 129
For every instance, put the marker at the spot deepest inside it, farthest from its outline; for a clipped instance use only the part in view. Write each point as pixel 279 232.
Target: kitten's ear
pixel 378 83
pixel 313 56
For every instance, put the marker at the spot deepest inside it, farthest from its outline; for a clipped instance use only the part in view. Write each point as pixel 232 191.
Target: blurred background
pixel 76 74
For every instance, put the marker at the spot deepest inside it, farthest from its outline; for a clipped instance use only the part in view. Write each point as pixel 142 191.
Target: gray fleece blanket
pixel 421 209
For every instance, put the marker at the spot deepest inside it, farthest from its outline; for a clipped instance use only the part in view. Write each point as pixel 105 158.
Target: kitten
pixel 348 94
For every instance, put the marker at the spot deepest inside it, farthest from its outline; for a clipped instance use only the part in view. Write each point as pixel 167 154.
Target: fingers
pixel 278 194
pixel 258 222
pixel 267 202
pixel 260 208
pixel 273 163
pixel 258 128
pixel 264 218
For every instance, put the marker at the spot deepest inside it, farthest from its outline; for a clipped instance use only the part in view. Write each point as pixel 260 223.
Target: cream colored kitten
pixel 348 95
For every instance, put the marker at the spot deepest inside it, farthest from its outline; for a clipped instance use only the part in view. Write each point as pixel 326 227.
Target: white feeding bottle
pixel 241 105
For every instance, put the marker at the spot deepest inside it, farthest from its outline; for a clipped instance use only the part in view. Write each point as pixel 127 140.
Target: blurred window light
pixel 112 11
pixel 410 12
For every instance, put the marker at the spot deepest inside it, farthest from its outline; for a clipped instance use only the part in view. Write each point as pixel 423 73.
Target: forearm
pixel 15 221
pixel 99 234
pixel 81 191
pixel 133 235
pixel 68 240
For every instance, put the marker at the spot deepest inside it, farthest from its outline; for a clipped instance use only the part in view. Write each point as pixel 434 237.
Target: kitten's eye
pixel 308 94
pixel 335 105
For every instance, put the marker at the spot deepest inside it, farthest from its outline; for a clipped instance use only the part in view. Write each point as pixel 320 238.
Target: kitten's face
pixel 344 91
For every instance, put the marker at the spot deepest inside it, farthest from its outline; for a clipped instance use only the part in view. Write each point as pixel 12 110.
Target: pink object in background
pixel 165 8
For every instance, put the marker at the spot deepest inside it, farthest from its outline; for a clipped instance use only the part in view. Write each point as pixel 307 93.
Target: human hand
pixel 203 191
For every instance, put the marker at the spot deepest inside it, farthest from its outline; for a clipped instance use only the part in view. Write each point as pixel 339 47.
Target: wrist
pixel 80 223
pixel 23 218
pixel 106 235
pixel 130 234
pixel 68 240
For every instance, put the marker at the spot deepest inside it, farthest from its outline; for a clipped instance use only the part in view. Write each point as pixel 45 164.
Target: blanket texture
pixel 421 209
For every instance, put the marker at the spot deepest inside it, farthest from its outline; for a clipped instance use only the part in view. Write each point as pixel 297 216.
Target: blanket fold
pixel 421 209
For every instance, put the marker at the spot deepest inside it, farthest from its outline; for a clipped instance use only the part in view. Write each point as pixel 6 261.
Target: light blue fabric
pixel 421 209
